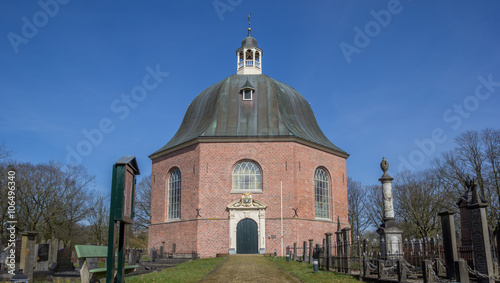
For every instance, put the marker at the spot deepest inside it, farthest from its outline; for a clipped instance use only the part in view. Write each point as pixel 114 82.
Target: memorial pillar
pixel 479 233
pixel 28 253
pixel 294 251
pixel 347 250
pixel 304 251
pixel 391 243
pixel 449 242
pixel 310 250
pixel 328 250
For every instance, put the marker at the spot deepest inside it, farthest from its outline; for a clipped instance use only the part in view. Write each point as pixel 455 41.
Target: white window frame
pixel 244 94
pixel 321 193
pixel 251 180
pixel 174 194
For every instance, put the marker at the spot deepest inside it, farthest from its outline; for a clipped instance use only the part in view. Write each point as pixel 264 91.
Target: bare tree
pixel 143 204
pixel 477 155
pixel 418 198
pixel 98 219
pixel 4 190
pixel 358 218
pixel 491 142
pixel 51 198
pixel 5 152
pixel 375 205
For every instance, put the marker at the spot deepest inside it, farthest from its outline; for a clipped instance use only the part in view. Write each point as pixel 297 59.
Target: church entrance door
pixel 246 237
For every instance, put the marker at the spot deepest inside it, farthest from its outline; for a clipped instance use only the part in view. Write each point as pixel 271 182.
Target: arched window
pixel 174 194
pixel 246 176
pixel 321 196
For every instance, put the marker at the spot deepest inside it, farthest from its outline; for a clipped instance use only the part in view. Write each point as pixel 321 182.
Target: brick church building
pixel 248 171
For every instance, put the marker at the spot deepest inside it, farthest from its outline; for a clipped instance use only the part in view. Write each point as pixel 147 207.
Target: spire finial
pixel 249 29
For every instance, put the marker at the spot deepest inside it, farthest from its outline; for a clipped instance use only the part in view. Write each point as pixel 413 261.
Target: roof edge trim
pixel 247 139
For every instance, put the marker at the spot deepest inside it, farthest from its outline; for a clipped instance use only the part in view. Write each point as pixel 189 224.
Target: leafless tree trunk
pixel 477 155
pixel 143 204
pixel 418 199
pixel 375 205
pixel 98 219
pixel 51 198
pixel 358 218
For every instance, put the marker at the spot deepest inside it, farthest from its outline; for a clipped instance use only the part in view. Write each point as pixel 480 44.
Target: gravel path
pixel 249 268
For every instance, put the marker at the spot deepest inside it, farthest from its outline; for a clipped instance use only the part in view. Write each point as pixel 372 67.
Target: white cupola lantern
pixel 249 56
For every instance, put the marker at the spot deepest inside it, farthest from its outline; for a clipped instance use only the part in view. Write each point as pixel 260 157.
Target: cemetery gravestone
pixel 328 250
pixel 92 262
pixel 51 260
pixel 449 242
pixel 294 251
pixel 43 257
pixel 53 249
pixel 43 252
pixel 304 251
pixel 479 233
pixel 132 257
pixel 19 243
pixel 153 255
pixel 28 253
pixel 310 250
pixel 64 260
pixel 3 256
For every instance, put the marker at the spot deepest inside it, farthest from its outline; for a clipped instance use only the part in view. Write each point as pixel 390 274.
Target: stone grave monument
pixel 43 257
pixel 391 243
pixel 64 261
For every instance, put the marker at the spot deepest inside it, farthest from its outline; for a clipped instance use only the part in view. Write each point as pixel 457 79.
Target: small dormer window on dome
pixel 247 91
pixel 249 56
pixel 247 94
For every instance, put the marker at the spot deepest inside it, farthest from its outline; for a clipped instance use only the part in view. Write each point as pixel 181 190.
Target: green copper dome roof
pixel 276 110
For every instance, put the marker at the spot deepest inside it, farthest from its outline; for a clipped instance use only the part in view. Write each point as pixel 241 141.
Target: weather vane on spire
pixel 249 29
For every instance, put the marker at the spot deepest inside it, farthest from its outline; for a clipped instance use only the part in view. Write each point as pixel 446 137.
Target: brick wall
pixel 206 171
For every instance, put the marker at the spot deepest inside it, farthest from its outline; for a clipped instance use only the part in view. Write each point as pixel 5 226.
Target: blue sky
pixel 398 79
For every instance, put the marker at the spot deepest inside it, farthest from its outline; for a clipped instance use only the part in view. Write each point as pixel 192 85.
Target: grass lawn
pixel 191 271
pixel 304 272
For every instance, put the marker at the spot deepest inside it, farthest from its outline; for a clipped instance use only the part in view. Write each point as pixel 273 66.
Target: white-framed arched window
pixel 174 194
pixel 247 177
pixel 321 193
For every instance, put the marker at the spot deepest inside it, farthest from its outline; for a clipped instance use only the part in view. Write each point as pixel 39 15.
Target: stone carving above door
pixel 246 202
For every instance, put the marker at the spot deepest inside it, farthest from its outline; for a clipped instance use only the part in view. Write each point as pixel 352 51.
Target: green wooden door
pixel 246 237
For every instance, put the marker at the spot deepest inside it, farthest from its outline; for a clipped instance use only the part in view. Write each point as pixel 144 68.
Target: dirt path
pixel 249 268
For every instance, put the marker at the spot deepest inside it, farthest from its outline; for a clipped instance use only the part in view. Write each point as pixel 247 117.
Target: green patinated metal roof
pixel 276 110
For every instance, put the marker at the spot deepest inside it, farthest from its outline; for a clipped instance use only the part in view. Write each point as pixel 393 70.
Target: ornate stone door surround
pixel 242 208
